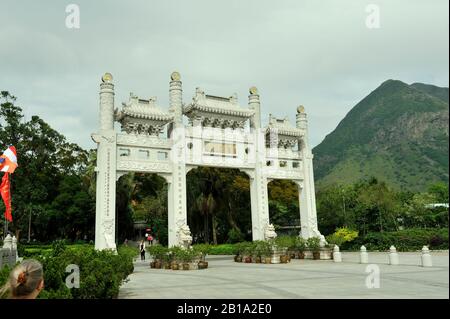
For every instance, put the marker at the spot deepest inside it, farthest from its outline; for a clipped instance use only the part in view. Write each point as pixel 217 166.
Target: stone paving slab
pixel 226 279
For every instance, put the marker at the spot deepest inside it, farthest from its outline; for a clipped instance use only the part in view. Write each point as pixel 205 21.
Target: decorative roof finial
pixel 301 109
pixel 253 90
pixel 175 76
pixel 107 78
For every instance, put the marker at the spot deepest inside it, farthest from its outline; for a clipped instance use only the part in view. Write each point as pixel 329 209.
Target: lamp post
pixel 343 205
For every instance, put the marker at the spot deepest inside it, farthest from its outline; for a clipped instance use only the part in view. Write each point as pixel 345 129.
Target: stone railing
pixel 8 254
pixel 7 257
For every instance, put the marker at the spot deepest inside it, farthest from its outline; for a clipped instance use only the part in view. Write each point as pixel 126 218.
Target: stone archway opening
pixel 284 210
pixel 218 205
pixel 141 207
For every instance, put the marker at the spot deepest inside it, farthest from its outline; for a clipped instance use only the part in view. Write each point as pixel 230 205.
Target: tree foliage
pixel 48 187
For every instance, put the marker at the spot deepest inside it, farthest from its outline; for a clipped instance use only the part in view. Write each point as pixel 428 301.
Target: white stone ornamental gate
pixel 219 133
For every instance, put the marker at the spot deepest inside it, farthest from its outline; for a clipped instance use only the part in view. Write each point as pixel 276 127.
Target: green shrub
pixel 285 242
pixel 202 250
pixel 313 243
pixel 224 249
pixel 403 240
pixel 157 251
pixel 300 244
pixel 58 247
pixel 176 253
pixel 341 235
pixel 101 272
pixel 4 274
pixel 262 248
pixel 238 248
pixel 249 248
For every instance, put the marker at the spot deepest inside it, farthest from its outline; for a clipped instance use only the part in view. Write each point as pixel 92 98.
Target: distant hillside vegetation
pixel 399 133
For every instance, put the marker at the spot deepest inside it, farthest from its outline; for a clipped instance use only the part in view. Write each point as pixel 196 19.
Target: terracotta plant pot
pixel 268 260
pixel 316 255
pixel 292 255
pixel 248 259
pixel 186 266
pixel 174 266
pixel 283 259
pixel 258 260
pixel 152 264
pixel 239 259
pixel 202 264
pixel 301 255
pixel 158 264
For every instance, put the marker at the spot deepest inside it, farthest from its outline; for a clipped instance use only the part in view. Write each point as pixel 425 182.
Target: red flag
pixel 8 160
pixel 6 195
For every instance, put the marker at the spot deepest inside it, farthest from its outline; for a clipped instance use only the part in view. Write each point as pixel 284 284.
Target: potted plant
pixel 258 251
pixel 300 247
pixel 166 259
pixel 283 243
pixel 157 252
pixel 266 252
pixel 314 245
pixel 248 252
pixel 200 251
pixel 176 253
pixel 239 251
pixel 186 258
pixel 291 247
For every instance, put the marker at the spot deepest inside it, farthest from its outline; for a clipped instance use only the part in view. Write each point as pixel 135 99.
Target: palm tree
pixel 206 205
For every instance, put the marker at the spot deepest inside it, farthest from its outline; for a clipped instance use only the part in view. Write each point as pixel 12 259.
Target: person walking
pixel 150 239
pixel 142 249
pixel 25 281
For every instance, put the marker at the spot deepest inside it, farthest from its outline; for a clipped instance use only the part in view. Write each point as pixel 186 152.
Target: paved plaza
pixel 299 279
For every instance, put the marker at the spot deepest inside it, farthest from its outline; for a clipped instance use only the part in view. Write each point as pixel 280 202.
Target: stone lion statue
pixel 323 241
pixel 184 236
pixel 269 232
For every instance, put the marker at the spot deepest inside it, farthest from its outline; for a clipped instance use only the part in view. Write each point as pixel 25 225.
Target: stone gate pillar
pixel 306 190
pixel 259 204
pixel 258 181
pixel 177 212
pixel 105 215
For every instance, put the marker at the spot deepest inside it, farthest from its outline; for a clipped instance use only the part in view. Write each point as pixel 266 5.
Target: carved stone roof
pixel 283 127
pixel 141 116
pixel 211 104
pixel 144 109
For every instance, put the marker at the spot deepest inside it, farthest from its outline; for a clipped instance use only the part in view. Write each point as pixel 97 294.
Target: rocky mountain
pixel 399 133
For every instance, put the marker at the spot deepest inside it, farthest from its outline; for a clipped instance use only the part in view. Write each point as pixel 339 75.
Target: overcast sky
pixel 316 53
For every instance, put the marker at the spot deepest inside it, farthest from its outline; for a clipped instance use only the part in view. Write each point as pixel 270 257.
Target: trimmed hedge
pixel 224 249
pixel 403 240
pixel 101 272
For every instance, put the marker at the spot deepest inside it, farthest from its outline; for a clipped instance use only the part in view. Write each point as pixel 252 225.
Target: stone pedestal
pixel 426 257
pixel 337 256
pixel 393 256
pixel 276 253
pixel 326 253
pixel 363 255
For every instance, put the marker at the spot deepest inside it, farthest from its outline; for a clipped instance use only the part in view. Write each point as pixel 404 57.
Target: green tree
pixel 44 158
